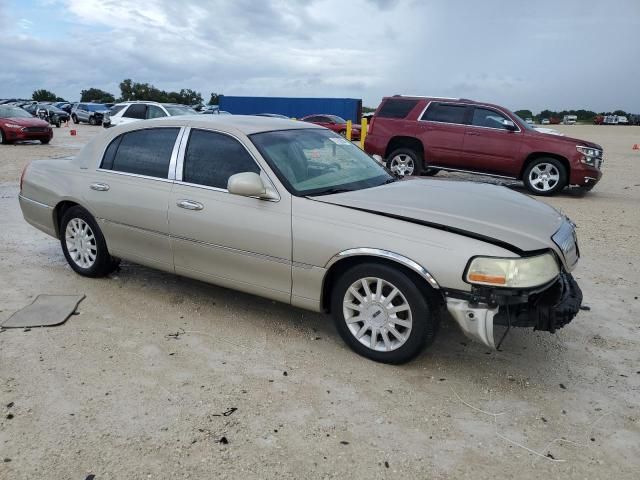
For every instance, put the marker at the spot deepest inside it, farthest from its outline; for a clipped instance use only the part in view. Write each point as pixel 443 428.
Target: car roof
pixel 244 124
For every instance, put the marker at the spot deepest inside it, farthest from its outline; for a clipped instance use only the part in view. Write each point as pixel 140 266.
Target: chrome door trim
pixel 396 257
pixel 40 204
pixel 488 107
pixel 174 154
pixel 116 172
pixel 99 187
pixel 460 170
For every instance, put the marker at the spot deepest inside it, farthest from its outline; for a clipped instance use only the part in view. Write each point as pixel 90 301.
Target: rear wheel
pixel 381 313
pixel 84 245
pixel 45 141
pixel 74 117
pixel 405 161
pixel 92 120
pixel 545 176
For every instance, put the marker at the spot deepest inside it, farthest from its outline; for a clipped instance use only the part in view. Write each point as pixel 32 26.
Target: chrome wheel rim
pixel 544 177
pixel 402 164
pixel 81 243
pixel 377 314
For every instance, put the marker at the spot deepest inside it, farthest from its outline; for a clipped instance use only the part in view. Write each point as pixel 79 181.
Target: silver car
pixel 296 213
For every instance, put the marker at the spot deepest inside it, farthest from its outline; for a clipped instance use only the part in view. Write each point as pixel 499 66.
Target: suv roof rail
pixel 431 96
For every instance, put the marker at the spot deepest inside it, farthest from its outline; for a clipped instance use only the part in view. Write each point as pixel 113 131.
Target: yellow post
pixel 363 132
pixel 349 130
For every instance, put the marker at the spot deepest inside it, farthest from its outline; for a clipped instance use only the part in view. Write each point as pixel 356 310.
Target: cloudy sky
pixel 538 54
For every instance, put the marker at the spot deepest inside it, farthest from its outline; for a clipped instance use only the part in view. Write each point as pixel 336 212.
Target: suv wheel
pixel 545 176
pixel 75 119
pixel 405 161
pixel 83 244
pixel 92 120
pixel 382 314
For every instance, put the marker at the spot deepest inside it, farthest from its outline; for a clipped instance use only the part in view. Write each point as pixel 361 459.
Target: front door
pixel 239 242
pixel 129 194
pixel 489 146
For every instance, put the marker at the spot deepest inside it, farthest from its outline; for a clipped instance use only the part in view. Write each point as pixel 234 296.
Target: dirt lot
pixel 157 369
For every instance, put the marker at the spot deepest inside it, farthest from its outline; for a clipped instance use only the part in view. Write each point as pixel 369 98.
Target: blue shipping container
pixel 347 108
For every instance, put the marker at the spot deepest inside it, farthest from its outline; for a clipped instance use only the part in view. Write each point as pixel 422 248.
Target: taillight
pixel 24 170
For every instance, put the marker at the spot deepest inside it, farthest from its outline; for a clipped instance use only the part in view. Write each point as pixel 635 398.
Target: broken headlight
pixel 527 272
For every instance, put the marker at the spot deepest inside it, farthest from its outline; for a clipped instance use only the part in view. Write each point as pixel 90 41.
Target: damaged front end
pixel 545 309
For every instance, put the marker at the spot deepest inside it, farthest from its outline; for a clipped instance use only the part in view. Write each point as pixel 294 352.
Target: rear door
pixel 129 194
pixel 231 240
pixel 489 146
pixel 441 129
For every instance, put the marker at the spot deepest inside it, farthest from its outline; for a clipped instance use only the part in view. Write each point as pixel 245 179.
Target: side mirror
pixel 509 125
pixel 248 184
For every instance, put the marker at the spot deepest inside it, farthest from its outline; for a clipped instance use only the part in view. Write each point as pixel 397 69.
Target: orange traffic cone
pixel 73 132
pixel 635 147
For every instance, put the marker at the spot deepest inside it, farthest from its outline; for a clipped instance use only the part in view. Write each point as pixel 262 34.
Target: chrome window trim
pixel 137 175
pixel 464 124
pixel 182 152
pixel 461 170
pixel 396 257
pixel 174 154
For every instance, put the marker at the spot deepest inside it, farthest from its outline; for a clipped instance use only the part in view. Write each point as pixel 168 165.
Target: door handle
pixel 190 205
pixel 100 187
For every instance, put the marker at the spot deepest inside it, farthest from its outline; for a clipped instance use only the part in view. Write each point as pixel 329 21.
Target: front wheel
pixel 405 161
pixel 3 139
pixel 45 141
pixel 92 120
pixel 382 314
pixel 84 245
pixel 545 176
pixel 75 119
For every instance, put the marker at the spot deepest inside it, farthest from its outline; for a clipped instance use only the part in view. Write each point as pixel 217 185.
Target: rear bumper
pixel 546 310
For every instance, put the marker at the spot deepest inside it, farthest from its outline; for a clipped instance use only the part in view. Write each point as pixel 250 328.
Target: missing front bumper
pixel 548 310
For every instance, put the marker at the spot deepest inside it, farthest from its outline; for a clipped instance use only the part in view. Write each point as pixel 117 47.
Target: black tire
pixel 3 138
pixel 343 133
pixel 104 263
pixel 412 156
pixel 58 124
pixel 75 119
pixel 92 120
pixel 550 165
pixel 430 172
pixel 45 141
pixel 423 311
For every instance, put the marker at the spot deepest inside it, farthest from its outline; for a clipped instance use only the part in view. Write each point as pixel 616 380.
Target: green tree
pixel 214 99
pixel 96 95
pixel 130 90
pixel 43 95
pixel 524 114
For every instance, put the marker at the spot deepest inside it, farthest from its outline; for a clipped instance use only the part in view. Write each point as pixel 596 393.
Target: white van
pixel 569 119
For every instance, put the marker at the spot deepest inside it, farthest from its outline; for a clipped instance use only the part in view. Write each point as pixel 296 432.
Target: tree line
pixel 583 115
pixel 130 90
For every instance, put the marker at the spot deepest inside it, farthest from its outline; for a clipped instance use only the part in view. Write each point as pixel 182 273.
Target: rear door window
pixel 137 110
pixel 153 111
pixel 396 108
pixel 211 158
pixel 445 113
pixel 141 152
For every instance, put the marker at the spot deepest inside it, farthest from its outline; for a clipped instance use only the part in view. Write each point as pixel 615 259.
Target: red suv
pixel 420 136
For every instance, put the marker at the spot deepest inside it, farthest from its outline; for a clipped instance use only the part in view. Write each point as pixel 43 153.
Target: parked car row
pixel 17 124
pixel 423 135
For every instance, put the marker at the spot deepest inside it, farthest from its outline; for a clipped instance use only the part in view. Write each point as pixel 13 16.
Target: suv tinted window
pixel 154 111
pixel 211 158
pixel 143 152
pixel 116 108
pixel 137 110
pixel 484 117
pixel 396 108
pixel 446 113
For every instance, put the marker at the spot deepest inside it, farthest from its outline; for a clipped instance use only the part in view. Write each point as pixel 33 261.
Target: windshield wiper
pixel 330 191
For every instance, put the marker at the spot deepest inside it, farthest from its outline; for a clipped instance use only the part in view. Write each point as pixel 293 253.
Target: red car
pixel 420 135
pixel 17 124
pixel 335 123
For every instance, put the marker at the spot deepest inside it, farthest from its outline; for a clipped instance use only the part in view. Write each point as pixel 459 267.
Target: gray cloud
pixel 517 54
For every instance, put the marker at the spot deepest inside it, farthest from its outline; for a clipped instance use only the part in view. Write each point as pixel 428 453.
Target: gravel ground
pixel 164 377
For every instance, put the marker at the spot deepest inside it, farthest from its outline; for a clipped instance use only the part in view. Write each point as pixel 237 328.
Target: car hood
pixel 27 122
pixel 558 136
pixel 490 212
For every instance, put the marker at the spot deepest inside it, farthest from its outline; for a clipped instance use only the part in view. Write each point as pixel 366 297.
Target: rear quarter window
pixel 396 108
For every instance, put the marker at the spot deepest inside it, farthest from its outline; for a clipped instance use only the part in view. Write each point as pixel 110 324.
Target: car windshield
pixel 96 107
pixel 14 112
pixel 51 108
pixel 319 162
pixel 336 119
pixel 525 124
pixel 175 110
